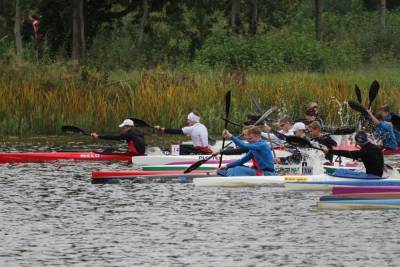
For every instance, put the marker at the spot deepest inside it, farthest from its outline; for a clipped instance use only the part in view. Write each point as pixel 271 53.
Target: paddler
pixel 312 114
pixel 196 130
pixel 133 137
pixel 258 151
pixel 299 129
pixel 383 131
pixel 315 132
pixel 371 155
pixel 387 117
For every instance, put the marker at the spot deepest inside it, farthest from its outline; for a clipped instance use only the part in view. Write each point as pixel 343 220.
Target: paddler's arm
pixel 343 153
pixel 240 162
pixel 168 130
pixel 243 144
pixel 116 137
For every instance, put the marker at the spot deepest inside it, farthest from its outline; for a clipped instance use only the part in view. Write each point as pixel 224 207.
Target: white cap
pixel 299 126
pixel 193 117
pixel 128 123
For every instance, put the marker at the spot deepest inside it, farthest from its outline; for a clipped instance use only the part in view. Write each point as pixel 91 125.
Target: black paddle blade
pixel 340 130
pixel 358 94
pixel 396 122
pixel 197 164
pixel 227 106
pixel 373 92
pixel 73 129
pixel 140 123
pixel 357 106
pixel 298 141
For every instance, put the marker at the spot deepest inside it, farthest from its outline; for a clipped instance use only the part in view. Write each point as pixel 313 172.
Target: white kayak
pixel 248 181
pixel 168 159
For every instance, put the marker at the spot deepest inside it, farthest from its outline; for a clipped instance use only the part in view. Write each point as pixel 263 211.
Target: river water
pixel 51 215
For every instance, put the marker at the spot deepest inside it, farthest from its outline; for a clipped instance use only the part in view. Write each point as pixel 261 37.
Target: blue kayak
pixel 344 173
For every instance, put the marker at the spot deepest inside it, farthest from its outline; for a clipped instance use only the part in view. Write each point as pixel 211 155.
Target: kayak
pixel 332 169
pixel 359 204
pixel 355 148
pixel 391 152
pixel 381 195
pixel 339 190
pixel 288 169
pixel 247 181
pixel 25 157
pixel 164 159
pixel 329 184
pixel 133 174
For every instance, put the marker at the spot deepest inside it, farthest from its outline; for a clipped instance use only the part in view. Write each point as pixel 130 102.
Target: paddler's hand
pixel 325 149
pixel 226 134
pixel 277 160
pixel 267 129
pixel 94 135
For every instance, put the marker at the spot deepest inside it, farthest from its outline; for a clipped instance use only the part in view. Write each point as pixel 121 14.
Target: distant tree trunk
pixel 382 13
pixel 318 19
pixel 253 17
pixel 78 30
pixel 17 29
pixel 235 17
pixel 143 22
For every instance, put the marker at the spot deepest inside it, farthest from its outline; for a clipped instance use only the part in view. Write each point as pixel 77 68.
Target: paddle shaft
pixel 227 109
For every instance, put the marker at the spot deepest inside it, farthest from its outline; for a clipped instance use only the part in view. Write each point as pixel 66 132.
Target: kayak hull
pixel 339 190
pixel 26 157
pixel 248 181
pixel 327 185
pixel 368 204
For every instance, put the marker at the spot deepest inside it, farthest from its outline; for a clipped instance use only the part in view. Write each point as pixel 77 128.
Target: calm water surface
pixel 51 215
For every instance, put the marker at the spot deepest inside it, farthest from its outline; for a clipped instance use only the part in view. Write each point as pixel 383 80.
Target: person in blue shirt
pixel 387 116
pixel 258 152
pixel 383 131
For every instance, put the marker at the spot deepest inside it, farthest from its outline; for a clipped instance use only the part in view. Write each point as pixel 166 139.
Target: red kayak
pixel 131 174
pixel 23 157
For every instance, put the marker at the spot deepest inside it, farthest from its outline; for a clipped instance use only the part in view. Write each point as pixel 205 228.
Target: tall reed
pixel 40 102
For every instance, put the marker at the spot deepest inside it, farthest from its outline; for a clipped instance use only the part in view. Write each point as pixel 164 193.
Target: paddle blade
pixel 340 130
pixel 358 94
pixel 73 129
pixel 140 123
pixel 357 106
pixel 227 106
pixel 396 121
pixel 195 165
pixel 373 92
pixel 298 141
pixel 256 104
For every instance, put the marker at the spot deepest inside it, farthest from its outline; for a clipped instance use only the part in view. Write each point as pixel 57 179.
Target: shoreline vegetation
pixel 40 99
pixel 98 62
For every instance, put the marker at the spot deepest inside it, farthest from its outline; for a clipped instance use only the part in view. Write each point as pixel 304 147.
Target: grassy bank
pixel 39 100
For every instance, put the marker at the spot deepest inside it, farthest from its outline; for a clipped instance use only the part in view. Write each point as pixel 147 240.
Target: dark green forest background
pixel 261 35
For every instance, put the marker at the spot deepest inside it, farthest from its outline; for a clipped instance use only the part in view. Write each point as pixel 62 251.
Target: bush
pixel 276 51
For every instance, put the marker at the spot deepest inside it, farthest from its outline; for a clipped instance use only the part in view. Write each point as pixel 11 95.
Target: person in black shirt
pixel 134 138
pixel 371 155
pixel 314 130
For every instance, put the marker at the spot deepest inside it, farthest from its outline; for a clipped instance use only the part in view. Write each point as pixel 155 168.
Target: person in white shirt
pixel 197 131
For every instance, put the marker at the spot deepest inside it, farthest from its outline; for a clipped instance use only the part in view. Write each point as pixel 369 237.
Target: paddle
pixel 256 103
pixel 227 109
pixel 373 92
pixel 73 129
pixel 300 142
pixel 197 164
pixel 358 94
pixel 357 107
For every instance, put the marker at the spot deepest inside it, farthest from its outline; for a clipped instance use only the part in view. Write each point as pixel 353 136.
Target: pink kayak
pixel 363 189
